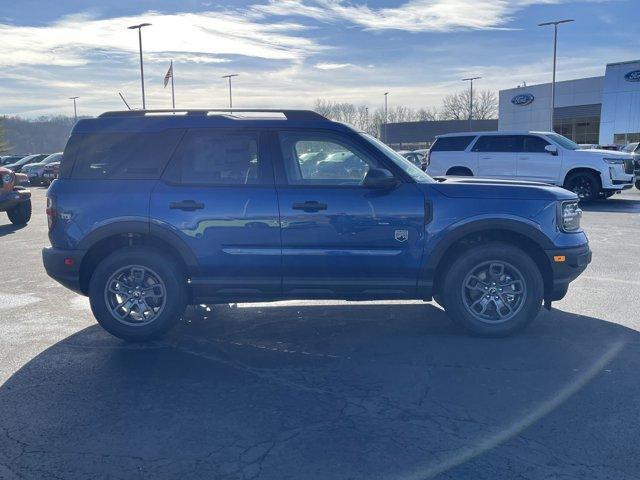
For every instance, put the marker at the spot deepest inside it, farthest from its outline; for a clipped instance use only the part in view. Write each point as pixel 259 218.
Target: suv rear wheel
pixel 459 172
pixel 584 184
pixel 137 294
pixel 493 290
pixel 21 213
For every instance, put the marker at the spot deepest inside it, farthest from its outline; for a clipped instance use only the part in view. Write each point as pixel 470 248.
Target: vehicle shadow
pixel 9 229
pixel 613 205
pixel 328 391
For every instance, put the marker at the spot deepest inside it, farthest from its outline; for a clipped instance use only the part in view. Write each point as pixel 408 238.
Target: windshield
pixel 630 148
pixel 564 142
pixel 409 168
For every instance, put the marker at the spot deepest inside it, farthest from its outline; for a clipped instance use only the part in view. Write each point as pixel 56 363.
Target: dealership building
pixel 597 110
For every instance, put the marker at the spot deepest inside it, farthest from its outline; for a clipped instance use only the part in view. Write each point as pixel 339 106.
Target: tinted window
pixel 534 144
pixel 123 155
pixel 451 144
pixel 499 143
pixel 319 159
pixel 216 157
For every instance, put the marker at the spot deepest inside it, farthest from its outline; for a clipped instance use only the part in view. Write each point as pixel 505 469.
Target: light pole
pixel 470 80
pixel 386 111
pixel 555 48
pixel 139 27
pixel 230 96
pixel 75 111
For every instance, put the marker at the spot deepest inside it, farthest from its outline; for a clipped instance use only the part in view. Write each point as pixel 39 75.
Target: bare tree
pixel 456 105
pixel 4 146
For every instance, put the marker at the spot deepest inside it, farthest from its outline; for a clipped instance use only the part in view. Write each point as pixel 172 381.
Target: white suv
pixel 534 156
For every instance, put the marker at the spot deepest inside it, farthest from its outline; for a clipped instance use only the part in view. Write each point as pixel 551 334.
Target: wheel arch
pixel 516 233
pixel 576 169
pixel 466 169
pixel 106 240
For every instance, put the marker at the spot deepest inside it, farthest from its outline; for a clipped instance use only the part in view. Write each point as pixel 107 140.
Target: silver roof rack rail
pixel 301 115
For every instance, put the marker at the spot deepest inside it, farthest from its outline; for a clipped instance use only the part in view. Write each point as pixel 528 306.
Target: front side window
pixel 533 144
pixel 216 157
pixel 322 159
pixel 499 144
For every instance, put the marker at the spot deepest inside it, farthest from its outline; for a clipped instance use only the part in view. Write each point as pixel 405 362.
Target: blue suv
pixel 157 210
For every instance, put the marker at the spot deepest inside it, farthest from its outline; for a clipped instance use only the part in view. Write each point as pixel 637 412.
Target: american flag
pixel 169 74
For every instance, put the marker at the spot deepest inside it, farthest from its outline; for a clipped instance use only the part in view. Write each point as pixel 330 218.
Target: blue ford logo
pixel 523 99
pixel 633 76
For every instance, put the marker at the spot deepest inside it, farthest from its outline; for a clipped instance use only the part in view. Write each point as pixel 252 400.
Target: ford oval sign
pixel 523 99
pixel 633 76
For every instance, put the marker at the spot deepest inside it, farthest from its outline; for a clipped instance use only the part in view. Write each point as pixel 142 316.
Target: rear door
pixel 535 163
pixel 217 194
pixel 497 155
pixel 339 238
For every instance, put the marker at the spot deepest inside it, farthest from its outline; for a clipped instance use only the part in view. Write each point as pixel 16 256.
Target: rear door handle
pixel 310 206
pixel 186 205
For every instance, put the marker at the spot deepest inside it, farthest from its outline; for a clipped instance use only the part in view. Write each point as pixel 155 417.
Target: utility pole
pixel 555 48
pixel 230 95
pixel 470 80
pixel 75 110
pixel 140 27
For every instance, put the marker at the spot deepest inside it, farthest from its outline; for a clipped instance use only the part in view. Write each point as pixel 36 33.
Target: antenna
pixel 125 102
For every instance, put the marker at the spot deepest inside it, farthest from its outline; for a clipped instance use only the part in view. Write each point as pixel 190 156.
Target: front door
pixel 535 163
pixel 497 156
pixel 339 238
pixel 218 195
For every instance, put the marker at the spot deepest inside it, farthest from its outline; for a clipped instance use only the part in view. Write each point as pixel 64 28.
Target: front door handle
pixel 186 205
pixel 310 206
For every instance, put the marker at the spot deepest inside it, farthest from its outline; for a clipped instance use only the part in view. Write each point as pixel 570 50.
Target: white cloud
pixel 332 66
pixel 412 16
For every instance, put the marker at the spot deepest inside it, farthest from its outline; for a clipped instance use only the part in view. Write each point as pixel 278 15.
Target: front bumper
pixel 64 266
pixel 10 199
pixel 566 265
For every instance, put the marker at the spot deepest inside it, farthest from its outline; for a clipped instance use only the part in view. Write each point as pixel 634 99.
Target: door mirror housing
pixel 379 178
pixel 552 149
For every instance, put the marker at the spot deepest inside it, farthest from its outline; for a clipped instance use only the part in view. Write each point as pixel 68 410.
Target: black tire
pixel 584 184
pixel 459 172
pixel 21 213
pixel 517 266
pixel 146 259
pixel 638 184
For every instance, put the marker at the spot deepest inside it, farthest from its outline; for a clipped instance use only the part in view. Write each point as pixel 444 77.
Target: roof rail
pixel 308 115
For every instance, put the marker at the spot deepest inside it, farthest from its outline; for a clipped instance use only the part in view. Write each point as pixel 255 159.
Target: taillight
pixel 51 212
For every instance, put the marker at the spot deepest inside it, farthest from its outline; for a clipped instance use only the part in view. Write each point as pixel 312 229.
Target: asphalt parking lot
pixel 324 390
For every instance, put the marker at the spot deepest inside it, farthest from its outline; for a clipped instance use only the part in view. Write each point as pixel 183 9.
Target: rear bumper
pixel 64 266
pixel 11 199
pixel 566 265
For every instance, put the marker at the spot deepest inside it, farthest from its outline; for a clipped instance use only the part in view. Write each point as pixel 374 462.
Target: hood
pixel 604 153
pixel 473 187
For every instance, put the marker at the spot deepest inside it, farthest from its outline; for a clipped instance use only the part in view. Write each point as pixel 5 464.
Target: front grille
pixel 628 166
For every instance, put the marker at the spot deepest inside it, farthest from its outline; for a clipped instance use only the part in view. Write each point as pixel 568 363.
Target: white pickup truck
pixel 533 156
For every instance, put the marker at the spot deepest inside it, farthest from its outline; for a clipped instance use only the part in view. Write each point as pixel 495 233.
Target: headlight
pixel 569 216
pixel 614 161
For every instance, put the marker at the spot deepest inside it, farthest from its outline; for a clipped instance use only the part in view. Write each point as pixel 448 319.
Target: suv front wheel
pixel 493 289
pixel 584 184
pixel 137 293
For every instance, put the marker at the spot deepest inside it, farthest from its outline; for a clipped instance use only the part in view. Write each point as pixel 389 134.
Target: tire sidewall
pixel 175 285
pixel 595 184
pixel 469 260
pixel 21 213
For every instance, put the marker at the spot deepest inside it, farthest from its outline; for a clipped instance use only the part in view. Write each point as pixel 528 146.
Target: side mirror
pixel 552 149
pixel 379 178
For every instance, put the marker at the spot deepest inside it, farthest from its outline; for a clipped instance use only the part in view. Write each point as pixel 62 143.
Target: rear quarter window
pixel 452 144
pixel 119 156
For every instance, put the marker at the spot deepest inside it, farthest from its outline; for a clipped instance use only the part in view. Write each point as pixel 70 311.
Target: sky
pixel 288 53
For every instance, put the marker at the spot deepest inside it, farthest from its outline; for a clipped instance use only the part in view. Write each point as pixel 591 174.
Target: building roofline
pixel 495 132
pixel 622 63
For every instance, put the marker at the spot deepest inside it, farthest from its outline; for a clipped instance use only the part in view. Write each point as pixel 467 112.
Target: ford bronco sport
pixel 156 210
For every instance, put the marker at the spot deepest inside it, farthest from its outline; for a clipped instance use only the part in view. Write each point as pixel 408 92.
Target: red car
pixel 14 199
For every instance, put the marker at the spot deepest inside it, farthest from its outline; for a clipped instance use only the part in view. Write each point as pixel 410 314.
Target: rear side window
pixel 121 155
pixel 217 157
pixel 499 143
pixel 451 144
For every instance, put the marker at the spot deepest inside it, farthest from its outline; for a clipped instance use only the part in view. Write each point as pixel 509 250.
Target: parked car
pixel 8 159
pixel 17 166
pixel 634 149
pixel 413 156
pixel 35 171
pixel 534 156
pixel 51 171
pixel 14 199
pixel 210 208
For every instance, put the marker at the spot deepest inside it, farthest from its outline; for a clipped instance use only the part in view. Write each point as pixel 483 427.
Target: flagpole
pixel 173 95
